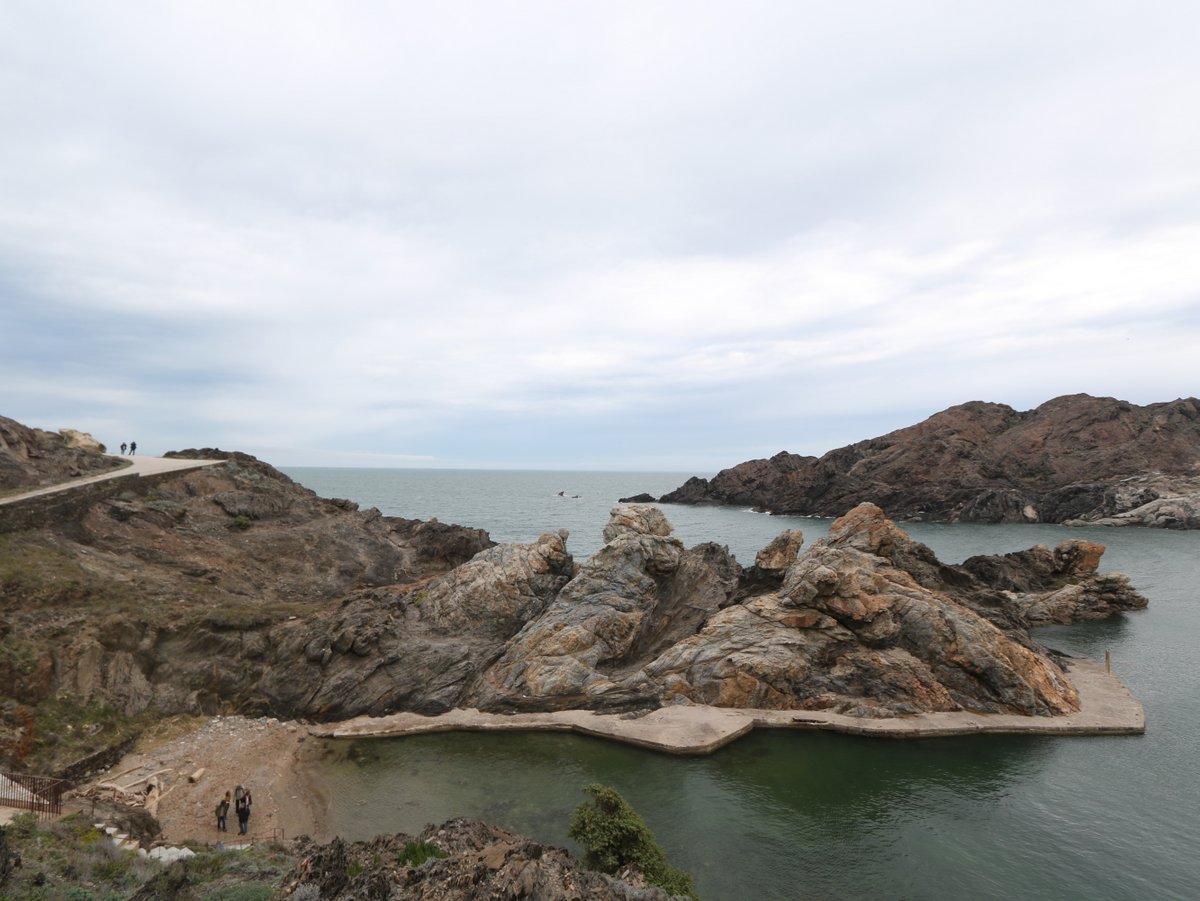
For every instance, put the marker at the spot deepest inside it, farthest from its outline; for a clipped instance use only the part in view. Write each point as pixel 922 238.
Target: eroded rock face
pixel 415 649
pixel 1073 459
pixel 850 631
pixel 866 622
pixel 575 651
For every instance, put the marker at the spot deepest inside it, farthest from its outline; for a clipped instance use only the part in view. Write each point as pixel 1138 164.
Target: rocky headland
pixel 1075 459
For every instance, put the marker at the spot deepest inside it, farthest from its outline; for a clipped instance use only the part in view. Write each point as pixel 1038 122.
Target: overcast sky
pixel 667 236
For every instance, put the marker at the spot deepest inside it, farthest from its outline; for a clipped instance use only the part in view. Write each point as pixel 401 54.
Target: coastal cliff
pixel 1075 459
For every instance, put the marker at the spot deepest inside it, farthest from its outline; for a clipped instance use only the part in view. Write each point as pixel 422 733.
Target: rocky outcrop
pixel 867 622
pixel 852 632
pixel 637 592
pixel 30 458
pixel 1040 586
pixel 385 650
pixel 1073 459
pixel 477 861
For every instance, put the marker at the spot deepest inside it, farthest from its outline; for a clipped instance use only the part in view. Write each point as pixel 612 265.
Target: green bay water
pixel 820 816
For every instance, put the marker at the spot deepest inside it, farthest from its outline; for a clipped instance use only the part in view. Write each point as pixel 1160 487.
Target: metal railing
pixel 41 794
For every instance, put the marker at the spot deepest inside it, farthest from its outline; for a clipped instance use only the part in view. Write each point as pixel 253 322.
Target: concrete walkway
pixel 140 466
pixel 1108 708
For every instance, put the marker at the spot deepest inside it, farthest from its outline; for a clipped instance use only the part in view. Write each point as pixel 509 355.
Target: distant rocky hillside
pixel 1073 459
pixel 33 457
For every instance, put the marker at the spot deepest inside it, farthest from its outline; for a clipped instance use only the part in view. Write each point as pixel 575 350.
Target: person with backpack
pixel 241 805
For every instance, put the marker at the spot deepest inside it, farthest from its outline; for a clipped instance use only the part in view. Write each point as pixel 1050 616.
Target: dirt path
pixel 264 755
pixel 139 466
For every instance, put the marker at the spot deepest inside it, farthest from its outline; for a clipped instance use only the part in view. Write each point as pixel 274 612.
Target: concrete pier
pixel 1107 707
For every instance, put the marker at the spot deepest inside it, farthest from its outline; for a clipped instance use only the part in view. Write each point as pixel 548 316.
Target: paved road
pixel 142 466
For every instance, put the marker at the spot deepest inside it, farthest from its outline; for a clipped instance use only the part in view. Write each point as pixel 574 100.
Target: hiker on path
pixel 123 446
pixel 222 813
pixel 132 448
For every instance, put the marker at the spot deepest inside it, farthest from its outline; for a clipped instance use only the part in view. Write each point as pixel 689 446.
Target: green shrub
pixel 23 825
pixel 615 836
pixel 247 891
pixel 241 522
pixel 113 870
pixel 417 853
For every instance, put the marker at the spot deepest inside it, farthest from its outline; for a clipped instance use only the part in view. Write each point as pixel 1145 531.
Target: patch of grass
pixel 68 730
pixel 417 853
pixel 36 575
pixel 247 891
pixel 17 653
pixel 23 826
pixel 241 522
pixel 57 862
pixel 241 617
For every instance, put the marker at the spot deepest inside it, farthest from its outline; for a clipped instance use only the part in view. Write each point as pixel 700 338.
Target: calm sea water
pixel 813 816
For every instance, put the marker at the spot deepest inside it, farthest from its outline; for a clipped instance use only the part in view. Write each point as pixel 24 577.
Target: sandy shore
pixel 274 759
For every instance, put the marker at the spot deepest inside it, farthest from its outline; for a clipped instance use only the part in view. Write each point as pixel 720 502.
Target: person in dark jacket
pixel 222 813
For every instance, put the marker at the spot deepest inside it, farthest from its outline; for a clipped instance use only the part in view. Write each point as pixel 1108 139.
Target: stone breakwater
pixel 1107 707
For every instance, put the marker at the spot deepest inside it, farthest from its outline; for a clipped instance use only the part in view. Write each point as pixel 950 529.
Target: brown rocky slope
pixel 1074 459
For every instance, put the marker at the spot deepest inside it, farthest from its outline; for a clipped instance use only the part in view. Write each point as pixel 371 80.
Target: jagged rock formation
pixel 30 458
pixel 388 649
pixel 480 861
pixel 1073 459
pixel 866 622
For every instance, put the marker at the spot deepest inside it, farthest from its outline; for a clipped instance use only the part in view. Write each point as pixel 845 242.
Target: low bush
pixel 615 836
pixel 417 853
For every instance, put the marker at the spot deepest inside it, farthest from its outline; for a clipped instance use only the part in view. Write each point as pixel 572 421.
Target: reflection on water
pixel 766 815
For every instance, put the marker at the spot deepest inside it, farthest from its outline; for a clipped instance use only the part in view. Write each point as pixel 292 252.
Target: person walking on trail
pixel 132 448
pixel 222 813
pixel 123 446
